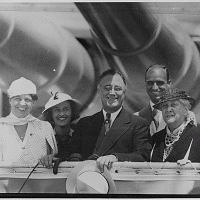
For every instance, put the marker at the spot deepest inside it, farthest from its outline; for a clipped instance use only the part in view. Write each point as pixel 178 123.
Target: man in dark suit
pixel 157 80
pixel 113 134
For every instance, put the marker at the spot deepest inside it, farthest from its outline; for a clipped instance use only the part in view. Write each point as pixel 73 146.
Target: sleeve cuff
pixel 76 157
pixel 93 157
pixel 115 156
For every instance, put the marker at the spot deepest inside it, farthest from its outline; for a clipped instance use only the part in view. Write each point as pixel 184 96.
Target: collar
pixel 151 105
pixel 178 129
pixel 13 120
pixel 113 115
pixel 152 108
pixel 159 112
pixel 70 132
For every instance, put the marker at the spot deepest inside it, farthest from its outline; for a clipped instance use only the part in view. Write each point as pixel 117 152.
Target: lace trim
pixel 172 137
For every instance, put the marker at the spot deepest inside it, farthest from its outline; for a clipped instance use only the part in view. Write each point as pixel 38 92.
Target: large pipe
pixel 134 37
pixel 37 48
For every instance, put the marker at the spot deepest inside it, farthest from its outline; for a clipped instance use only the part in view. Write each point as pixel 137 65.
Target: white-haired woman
pixel 179 140
pixel 24 138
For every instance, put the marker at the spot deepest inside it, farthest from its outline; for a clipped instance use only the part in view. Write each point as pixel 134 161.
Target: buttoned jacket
pixel 127 138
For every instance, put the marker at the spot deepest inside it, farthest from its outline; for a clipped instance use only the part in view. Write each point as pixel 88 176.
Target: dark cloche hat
pixel 173 94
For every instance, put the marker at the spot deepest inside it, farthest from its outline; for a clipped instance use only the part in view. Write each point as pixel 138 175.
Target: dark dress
pixel 180 147
pixel 64 147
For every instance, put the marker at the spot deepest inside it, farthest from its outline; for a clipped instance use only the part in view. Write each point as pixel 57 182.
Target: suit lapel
pixel 118 128
pixel 95 125
pixel 162 124
pixel 146 113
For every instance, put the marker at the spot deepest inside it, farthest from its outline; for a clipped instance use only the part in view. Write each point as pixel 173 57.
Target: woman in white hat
pixel 60 111
pixel 24 138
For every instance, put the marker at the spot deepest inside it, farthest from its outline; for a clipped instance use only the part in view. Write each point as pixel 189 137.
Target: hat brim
pixel 72 178
pixel 190 99
pixel 77 103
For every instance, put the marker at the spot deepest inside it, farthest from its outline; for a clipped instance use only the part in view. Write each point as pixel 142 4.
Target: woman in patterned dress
pixel 24 138
pixel 179 140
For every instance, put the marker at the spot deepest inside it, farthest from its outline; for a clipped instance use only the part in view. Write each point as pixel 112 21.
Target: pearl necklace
pixel 171 138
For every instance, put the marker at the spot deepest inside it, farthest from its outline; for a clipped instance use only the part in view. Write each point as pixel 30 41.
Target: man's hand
pixel 47 161
pixel 106 161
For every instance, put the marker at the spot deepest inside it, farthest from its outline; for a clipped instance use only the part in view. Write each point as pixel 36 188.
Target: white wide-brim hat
pixel 59 98
pixel 21 86
pixel 86 178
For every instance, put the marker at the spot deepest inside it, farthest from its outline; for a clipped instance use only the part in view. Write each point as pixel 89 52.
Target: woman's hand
pixel 183 162
pixel 47 161
pixel 106 161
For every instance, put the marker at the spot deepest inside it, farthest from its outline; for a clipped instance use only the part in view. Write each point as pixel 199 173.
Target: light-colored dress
pixel 34 145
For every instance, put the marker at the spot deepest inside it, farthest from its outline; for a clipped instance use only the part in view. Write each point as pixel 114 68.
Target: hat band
pixel 104 178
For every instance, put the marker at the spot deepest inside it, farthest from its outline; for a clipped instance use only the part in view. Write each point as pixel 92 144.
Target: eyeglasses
pixel 158 83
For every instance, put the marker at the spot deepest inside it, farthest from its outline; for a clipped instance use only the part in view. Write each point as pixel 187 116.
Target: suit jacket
pixel 180 147
pixel 127 138
pixel 146 113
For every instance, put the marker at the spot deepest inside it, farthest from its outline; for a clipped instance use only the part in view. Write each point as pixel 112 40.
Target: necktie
pixel 104 130
pixel 107 122
pixel 156 117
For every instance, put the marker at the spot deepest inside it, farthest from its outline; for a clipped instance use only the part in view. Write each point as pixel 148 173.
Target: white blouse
pixel 34 145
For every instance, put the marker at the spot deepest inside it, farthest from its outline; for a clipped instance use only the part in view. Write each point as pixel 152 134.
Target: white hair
pixel 186 103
